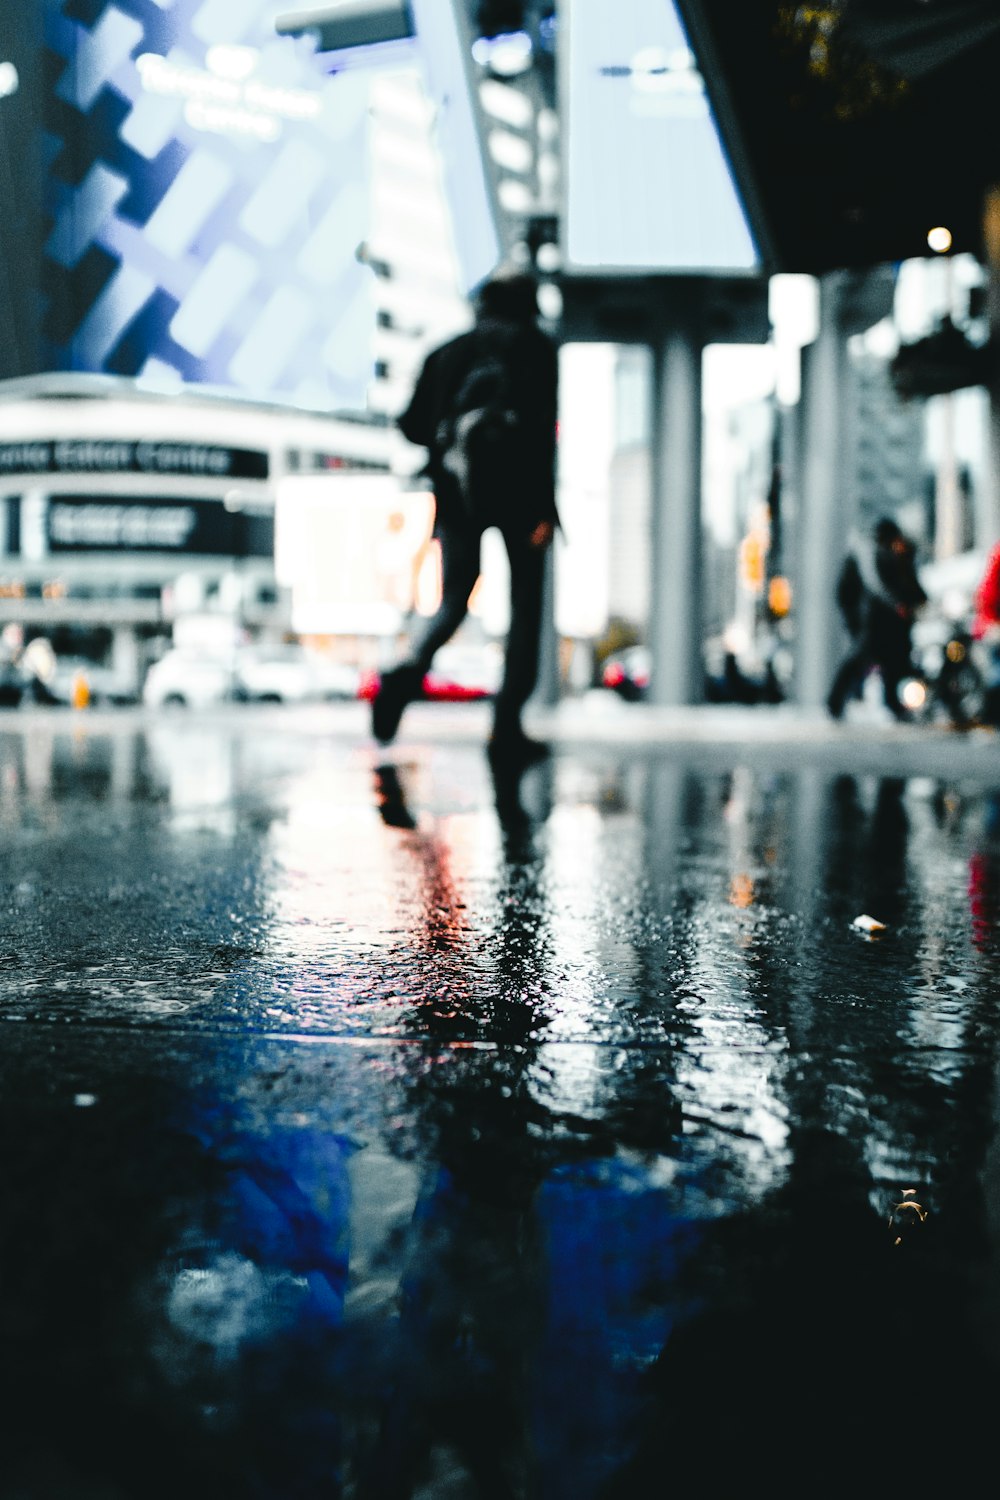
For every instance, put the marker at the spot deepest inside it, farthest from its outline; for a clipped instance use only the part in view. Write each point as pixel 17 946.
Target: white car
pixel 185 678
pixel 262 673
pixel 287 673
pixel 76 676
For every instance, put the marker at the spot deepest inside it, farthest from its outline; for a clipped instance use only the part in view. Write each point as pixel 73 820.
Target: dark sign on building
pixel 101 523
pixel 125 456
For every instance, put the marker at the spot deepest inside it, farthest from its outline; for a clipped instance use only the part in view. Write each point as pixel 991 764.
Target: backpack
pixel 483 442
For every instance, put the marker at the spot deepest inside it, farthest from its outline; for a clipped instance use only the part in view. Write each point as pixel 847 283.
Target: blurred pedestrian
pixel 878 594
pixel 484 406
pixel 986 628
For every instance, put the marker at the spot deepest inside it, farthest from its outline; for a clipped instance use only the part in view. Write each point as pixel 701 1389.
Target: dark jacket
pixel 879 592
pixel 532 360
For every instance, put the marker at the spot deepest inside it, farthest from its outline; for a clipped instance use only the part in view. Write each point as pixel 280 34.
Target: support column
pixel 948 516
pixel 676 611
pixel 125 657
pixel 823 490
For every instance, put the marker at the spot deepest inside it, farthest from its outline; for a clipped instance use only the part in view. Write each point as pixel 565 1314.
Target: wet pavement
pixel 374 1128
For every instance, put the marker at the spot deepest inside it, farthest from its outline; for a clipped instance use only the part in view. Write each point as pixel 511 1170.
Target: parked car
pixel 288 673
pixel 24 679
pixel 187 678
pixel 627 673
pixel 18 686
pixel 260 672
pixel 77 680
pixel 462 672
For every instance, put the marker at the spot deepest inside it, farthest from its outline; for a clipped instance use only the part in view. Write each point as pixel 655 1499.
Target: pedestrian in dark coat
pixel 506 333
pixel 878 594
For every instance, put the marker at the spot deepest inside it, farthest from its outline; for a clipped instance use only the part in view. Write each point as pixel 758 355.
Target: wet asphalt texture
pixel 375 1126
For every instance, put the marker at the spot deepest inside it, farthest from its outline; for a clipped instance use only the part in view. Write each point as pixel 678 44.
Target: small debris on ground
pixel 864 923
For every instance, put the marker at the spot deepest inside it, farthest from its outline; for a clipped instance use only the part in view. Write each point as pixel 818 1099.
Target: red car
pixel 460 674
pixel 627 673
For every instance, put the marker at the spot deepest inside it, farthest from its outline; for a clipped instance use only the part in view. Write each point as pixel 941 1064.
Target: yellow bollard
pixel 80 692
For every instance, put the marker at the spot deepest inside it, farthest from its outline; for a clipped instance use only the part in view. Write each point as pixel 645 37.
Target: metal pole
pixel 676 594
pixel 947 501
pixel 824 488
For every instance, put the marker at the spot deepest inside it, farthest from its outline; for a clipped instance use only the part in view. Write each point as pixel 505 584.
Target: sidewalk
pixel 862 740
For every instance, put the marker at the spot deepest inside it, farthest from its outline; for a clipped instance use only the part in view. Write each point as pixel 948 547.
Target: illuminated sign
pixel 88 523
pixel 225 97
pixel 350 549
pixel 207 191
pixel 123 456
pixel 442 26
pixel 107 525
pixel 646 182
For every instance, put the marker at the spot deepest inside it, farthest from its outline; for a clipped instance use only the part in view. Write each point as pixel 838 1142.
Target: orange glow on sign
pixel 752 562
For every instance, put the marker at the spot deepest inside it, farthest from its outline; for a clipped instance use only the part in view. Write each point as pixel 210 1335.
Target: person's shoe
pixel 513 749
pixel 395 690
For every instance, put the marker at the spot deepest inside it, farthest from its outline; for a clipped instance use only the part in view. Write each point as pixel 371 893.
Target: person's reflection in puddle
pixel 390 798
pixel 522 797
pixel 870 844
pixel 517 811
pixel 533 1265
pixel 452 1406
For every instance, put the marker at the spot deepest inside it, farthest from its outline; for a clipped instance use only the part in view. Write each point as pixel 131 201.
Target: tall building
pixel 213 250
pixel 891 464
pixel 410 247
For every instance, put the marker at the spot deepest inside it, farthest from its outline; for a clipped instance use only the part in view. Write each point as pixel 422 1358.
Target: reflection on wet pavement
pixel 376 1128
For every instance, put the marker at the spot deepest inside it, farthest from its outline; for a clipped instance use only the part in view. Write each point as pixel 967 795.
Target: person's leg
pixel 893 670
pixel 521 656
pixel 848 677
pixel 893 654
pixel 400 685
pixel 460 550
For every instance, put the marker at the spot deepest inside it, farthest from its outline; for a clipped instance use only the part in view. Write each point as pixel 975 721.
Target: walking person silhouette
pixel 484 406
pixel 878 594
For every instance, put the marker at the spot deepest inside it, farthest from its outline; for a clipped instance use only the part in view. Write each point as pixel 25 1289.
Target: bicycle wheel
pixel 961 690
